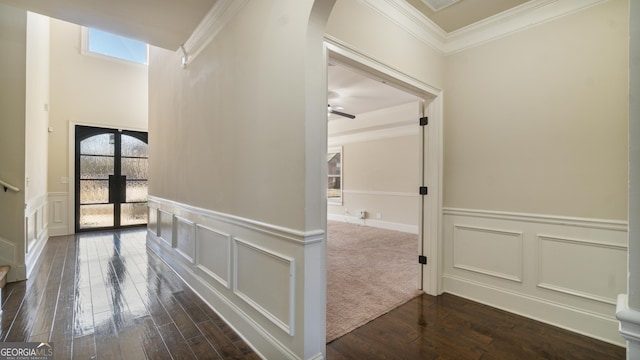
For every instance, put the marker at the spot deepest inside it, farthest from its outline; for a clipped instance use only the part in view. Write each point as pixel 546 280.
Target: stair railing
pixel 6 186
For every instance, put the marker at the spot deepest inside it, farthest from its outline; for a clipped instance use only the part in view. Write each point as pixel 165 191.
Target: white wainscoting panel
pixel 152 221
pixel 36 233
pixel 255 267
pixel 213 255
pixel 251 273
pixel 165 227
pixel 560 270
pixel 474 249
pixel 582 268
pixel 185 238
pixel 58 214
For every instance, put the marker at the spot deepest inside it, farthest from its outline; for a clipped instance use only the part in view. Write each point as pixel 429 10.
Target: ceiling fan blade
pixel 336 112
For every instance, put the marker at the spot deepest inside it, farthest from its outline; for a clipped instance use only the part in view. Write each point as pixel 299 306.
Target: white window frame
pixel 336 200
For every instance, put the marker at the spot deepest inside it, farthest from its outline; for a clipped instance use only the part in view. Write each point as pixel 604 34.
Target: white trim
pixel 519 18
pixel 564 290
pixel 629 320
pixel 522 17
pixel 214 21
pixel 604 224
pixel 349 56
pixel 381 193
pixel 368 135
pixel 431 239
pixel 567 317
pixel 406 228
pixel 191 258
pixel 287 328
pixel 297 236
pixel 224 282
pixel 256 336
pixel 515 234
pixel 412 21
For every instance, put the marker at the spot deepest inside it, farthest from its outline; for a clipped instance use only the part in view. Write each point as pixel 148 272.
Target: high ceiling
pixel 464 12
pixel 164 23
pixel 356 94
pixel 169 23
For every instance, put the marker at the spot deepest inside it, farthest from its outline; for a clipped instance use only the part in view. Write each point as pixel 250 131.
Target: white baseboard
pixel 380 224
pixel 629 326
pixel 227 259
pixel 557 314
pixel 564 271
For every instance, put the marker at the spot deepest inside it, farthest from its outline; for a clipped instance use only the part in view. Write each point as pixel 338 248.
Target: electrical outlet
pixel 64 180
pixel 378 216
pixel 361 214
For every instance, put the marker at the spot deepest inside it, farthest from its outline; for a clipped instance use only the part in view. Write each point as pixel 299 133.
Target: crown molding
pixel 411 20
pixel 522 17
pixel 217 17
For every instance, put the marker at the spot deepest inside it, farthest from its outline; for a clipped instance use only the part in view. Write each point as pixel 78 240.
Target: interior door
pixel 111 178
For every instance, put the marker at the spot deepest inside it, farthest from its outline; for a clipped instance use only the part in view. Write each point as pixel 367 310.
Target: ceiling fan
pixel 334 110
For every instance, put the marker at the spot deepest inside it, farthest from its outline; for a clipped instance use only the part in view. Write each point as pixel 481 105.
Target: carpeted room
pixel 370 271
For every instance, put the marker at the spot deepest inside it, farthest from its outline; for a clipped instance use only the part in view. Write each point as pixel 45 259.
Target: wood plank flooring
pixel 450 327
pixel 105 296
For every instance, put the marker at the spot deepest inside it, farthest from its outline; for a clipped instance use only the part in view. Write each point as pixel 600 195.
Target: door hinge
pixel 422 259
pixel 424 121
pixel 424 190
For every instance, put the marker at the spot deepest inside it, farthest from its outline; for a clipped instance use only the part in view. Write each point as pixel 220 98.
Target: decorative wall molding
pixel 629 322
pixel 185 238
pixel 467 253
pixel 614 225
pixel 36 230
pixel 214 21
pixel 296 236
pixel 284 297
pixel 589 272
pixel 234 260
pixel 519 18
pixel 565 271
pixel 58 219
pixel 217 264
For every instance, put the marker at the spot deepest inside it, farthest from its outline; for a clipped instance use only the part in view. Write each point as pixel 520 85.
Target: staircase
pixel 4 270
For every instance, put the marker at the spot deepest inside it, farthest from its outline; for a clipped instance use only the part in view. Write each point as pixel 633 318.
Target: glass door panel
pixel 134 163
pixel 111 178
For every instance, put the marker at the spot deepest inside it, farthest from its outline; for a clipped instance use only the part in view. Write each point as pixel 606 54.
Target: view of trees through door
pixel 110 178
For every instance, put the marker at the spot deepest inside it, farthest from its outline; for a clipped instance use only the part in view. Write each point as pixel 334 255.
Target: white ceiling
pixel 357 94
pixel 169 23
pixel 164 23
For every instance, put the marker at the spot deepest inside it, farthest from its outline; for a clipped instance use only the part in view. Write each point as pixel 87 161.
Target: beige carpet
pixel 369 272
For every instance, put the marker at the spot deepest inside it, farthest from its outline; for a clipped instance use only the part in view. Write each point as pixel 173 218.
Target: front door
pixel 111 178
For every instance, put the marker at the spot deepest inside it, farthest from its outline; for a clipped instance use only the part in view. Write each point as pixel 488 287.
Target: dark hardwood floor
pixel 450 327
pixel 105 296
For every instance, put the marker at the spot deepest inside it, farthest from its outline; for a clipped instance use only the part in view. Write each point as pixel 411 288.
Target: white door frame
pixel 430 227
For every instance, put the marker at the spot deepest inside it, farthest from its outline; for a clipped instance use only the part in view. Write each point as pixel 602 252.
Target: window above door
pixel 101 43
